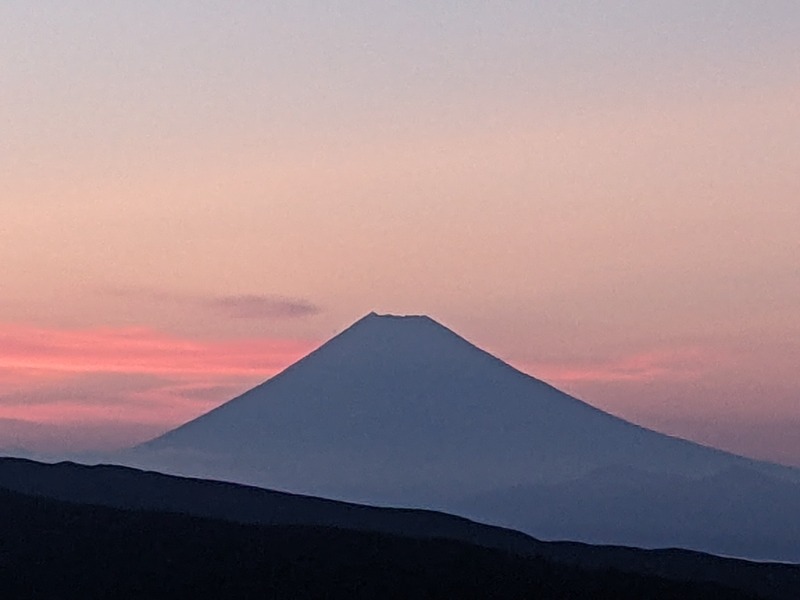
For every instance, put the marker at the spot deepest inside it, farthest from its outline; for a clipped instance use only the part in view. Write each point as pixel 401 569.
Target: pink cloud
pixel 137 350
pixel 673 363
pixel 132 379
pixel 723 392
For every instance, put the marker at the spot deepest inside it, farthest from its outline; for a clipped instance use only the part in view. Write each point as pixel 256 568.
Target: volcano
pixel 401 411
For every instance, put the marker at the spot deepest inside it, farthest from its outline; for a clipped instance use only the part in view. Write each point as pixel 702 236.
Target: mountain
pixel 89 524
pixel 402 411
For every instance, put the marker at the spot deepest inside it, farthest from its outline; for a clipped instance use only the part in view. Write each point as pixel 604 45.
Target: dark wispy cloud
pixel 236 306
pixel 252 306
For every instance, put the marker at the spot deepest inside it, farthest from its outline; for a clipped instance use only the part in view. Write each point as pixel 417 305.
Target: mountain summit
pixel 400 410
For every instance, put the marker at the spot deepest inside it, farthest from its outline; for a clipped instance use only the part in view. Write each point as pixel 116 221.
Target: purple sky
pixel 194 194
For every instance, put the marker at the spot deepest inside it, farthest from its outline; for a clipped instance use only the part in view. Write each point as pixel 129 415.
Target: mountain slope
pixel 402 411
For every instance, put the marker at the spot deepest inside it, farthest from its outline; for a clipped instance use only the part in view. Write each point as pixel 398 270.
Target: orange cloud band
pixel 127 375
pixel 673 363
pixel 137 350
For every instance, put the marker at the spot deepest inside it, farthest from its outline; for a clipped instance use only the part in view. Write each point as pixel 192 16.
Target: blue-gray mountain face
pixel 402 411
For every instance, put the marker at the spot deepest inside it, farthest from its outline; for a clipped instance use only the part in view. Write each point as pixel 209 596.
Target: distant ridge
pixel 400 410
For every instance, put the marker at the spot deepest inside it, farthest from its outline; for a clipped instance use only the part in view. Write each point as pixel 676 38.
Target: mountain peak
pixel 409 336
pixel 373 316
pixel 411 325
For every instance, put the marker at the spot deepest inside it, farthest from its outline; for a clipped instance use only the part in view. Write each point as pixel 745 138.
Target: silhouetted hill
pixel 52 549
pixel 125 488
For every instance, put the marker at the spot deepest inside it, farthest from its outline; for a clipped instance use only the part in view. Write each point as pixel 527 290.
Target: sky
pixel 195 194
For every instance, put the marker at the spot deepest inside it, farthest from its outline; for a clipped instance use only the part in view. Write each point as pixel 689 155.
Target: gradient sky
pixel 194 194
